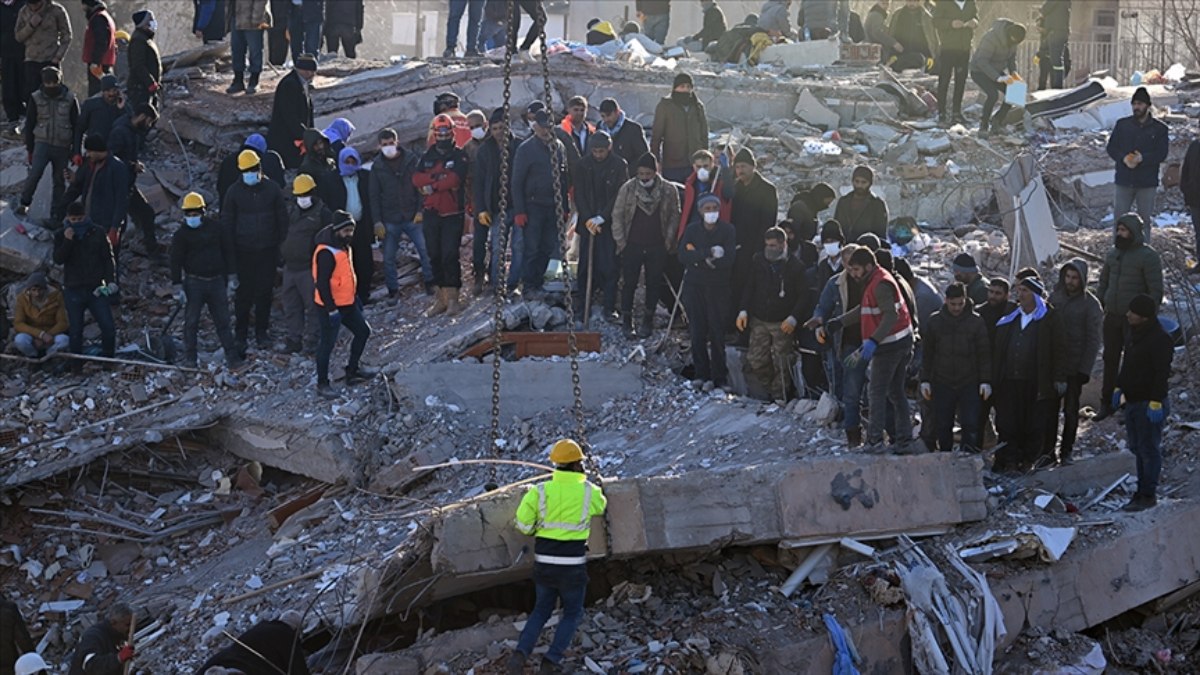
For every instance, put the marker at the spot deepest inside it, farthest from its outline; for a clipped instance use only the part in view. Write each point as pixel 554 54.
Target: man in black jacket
pixel 485 188
pixel 394 205
pixel 97 114
pixel 956 368
pixel 706 252
pixel 860 211
pixel 1139 144
pixel 1053 53
pixel 344 23
pixel 100 650
pixel 269 647
pixel 255 213
pixel 203 250
pixel 995 308
pixel 307 215
pixel 772 302
pixel 1083 319
pixel 89 277
pixel 145 64
pixel 337 298
pixel 755 208
pixel 125 143
pixel 806 204
pixel 349 190
pixel 955 23
pixel 272 166
pixel 597 180
pixel 713 27
pixel 292 111
pixel 103 183
pixel 628 137
pixel 1143 383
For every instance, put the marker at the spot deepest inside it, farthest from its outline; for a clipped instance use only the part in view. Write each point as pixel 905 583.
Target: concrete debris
pixel 814 112
pixel 803 55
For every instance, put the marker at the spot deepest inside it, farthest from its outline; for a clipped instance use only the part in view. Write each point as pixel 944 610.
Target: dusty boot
pixel 453 308
pixel 439 302
pixel 238 86
pixel 854 437
pixel 252 87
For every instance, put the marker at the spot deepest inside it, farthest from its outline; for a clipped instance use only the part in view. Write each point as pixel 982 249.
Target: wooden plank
pixel 278 515
pixel 536 344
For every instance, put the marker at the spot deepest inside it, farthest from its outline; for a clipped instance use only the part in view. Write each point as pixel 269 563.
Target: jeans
pixel 239 42
pixel 993 91
pixel 443 234
pixel 256 278
pixel 59 158
pixel 1144 440
pixel 708 312
pixel 352 318
pixel 854 378
pixel 1113 334
pixel 12 89
pixel 306 35
pixel 953 64
pixel 24 344
pixel 1070 412
pixel 1141 200
pixel 541 244
pixel 553 583
pixel 656 27
pixel 474 9
pixel 888 373
pixel 391 243
pixel 833 372
pixel 604 262
pixel 300 312
pixel 210 293
pixel 491 35
pixel 635 259
pixel 947 401
pixel 515 244
pixel 100 307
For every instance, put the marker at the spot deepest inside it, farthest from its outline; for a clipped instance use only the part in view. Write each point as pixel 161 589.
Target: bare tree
pixel 1183 26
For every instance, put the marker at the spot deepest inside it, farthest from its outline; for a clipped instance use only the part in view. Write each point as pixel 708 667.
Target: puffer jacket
pixel 256 215
pixel 679 130
pixel 446 173
pixel 1083 318
pixel 996 54
pixel 1150 138
pixel 47 41
pixel 301 239
pixel 1129 272
pixel 248 14
pixel 393 197
pixel 956 349
pixel 666 195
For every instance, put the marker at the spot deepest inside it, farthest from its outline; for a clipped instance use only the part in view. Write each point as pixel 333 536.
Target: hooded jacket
pixel 145 66
pixel 956 349
pixel 87 259
pixel 1150 138
pixel 774 17
pixel 1082 317
pixel 664 193
pixel 301 239
pixel 104 189
pixel 1146 365
pixel 1128 272
pixel 256 216
pixel 313 164
pixel 680 129
pixel 49 40
pixel 334 191
pixel 291 114
pixel 860 215
pixel 996 54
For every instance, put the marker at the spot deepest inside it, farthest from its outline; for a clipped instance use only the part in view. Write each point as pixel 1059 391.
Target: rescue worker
pixel 145 63
pixel 349 190
pixel 1143 386
pixel 102 649
pixel 706 252
pixel 89 277
pixel 99 44
pixel 203 250
pixel 440 178
pixel 272 166
pixel 40 319
pixel 307 215
pixel 1083 319
pixel 446 103
pixel 956 369
pixel 336 295
pixel 50 121
pixel 255 214
pixel 598 178
pixel 558 514
pixel 772 302
pixel 292 108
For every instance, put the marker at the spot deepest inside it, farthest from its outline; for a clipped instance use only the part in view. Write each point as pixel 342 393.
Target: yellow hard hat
pixel 247 159
pixel 121 35
pixel 565 452
pixel 303 184
pixel 192 201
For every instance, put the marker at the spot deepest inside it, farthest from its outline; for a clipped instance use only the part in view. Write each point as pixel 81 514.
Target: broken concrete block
pixel 877 136
pixel 803 54
pixel 19 253
pixel 811 110
pixel 933 143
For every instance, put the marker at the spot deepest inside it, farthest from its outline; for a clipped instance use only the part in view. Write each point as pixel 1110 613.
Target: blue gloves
pixel 1116 399
pixel 868 349
pixel 334 318
pixel 1155 412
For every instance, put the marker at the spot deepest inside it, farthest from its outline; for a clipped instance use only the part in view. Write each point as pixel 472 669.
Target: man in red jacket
pixel 440 177
pixel 99 43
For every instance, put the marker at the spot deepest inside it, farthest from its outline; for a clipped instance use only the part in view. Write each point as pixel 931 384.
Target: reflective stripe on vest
pixel 584 519
pixel 342 282
pixel 559 559
pixel 872 316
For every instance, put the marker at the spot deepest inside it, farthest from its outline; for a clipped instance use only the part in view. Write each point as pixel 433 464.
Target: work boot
pixel 854 437
pixel 324 390
pixel 252 88
pixel 453 308
pixel 627 326
pixel 360 374
pixel 516 663
pixel 238 86
pixel 439 303
pixel 550 668
pixel 1140 503
pixel 448 53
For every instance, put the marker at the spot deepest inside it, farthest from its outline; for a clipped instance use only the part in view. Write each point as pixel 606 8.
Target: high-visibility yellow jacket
pixel 559 512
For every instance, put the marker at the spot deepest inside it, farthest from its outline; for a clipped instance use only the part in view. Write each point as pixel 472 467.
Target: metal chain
pixel 500 287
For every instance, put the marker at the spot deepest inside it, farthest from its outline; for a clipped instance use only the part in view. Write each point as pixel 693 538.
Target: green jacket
pixel 1129 272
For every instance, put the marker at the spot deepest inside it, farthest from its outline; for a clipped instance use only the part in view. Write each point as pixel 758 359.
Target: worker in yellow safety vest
pixel 558 513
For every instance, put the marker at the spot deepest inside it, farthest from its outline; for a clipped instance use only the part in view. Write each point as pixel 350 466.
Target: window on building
pixel 1105 18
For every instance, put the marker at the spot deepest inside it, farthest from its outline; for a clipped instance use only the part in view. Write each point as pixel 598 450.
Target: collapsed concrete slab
pixel 296 446
pixel 19 253
pixel 812 53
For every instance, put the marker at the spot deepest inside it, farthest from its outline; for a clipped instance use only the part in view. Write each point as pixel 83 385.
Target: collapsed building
pixel 737 528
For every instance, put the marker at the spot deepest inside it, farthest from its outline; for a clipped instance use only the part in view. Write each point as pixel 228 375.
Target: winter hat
pixel 344 167
pixel 306 62
pixel 683 78
pixel 600 139
pixel 95 143
pixel 863 171
pixel 1034 284
pixel 647 160
pixel 257 142
pixel 745 156
pixel 831 231
pixel 142 18
pixel 964 264
pixel 1143 305
pixel 708 198
pixel 497 116
pixel 109 82
pixel 1016 32
pixel 342 220
pixel 1142 95
pixel 956 290
pixel 51 75
pixel 869 240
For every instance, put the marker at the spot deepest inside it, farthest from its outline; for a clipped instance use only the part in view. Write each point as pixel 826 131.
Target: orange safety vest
pixel 342 283
pixel 872 316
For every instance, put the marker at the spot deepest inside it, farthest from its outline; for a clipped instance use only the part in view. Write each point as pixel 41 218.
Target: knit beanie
pixel 600 139
pixel 142 17
pixel 683 78
pixel 1143 305
pixel 342 219
pixel 964 264
pixel 745 156
pixel 1034 284
pixel 1142 95
pixel 648 161
pixel 708 198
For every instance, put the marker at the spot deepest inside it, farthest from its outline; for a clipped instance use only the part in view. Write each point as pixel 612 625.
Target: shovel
pixel 163 347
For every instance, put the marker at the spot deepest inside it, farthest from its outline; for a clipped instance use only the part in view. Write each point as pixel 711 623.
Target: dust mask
pixel 832 249
pixel 304 202
pixel 153 25
pixel 192 221
pixel 478 133
pixel 389 151
pixel 703 175
pixel 711 217
pixel 251 178
pixel 647 183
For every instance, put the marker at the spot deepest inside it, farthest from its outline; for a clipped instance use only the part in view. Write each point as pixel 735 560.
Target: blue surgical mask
pixel 192 221
pixel 251 178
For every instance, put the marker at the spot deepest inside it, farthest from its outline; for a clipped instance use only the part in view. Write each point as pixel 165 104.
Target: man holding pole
pixel 597 181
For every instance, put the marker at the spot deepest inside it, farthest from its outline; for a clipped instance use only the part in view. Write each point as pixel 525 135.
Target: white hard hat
pixel 30 663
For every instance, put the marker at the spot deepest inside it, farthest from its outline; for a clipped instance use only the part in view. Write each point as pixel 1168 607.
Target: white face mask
pixel 304 202
pixel 153 25
pixel 711 217
pixel 832 249
pixel 389 151
pixel 647 183
pixel 478 133
pixel 703 175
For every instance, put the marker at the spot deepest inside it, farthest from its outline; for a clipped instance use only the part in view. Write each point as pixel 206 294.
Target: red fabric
pixel 462 132
pixel 89 45
pixel 871 318
pixel 445 183
pixel 689 199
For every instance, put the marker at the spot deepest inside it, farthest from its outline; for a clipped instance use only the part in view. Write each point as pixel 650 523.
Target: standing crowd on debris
pixel 820 306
